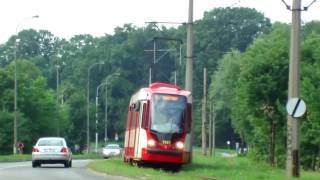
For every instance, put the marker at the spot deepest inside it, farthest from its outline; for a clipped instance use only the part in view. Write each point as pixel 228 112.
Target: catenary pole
pixel 204 113
pixel 189 66
pixel 293 139
pixel 210 128
pixel 189 63
pixel 213 115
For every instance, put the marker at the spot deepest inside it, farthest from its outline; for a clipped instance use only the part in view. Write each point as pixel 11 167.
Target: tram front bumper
pixel 168 156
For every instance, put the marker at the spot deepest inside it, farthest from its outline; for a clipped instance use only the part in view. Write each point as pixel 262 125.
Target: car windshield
pixel 50 142
pixel 112 147
pixel 167 113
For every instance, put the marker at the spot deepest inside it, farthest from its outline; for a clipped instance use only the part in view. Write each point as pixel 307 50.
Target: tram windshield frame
pixel 168 113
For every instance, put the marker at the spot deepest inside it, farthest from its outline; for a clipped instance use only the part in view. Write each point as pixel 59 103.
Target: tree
pixel 36 105
pixel 261 93
pixel 221 93
pixel 77 114
pixel 221 30
pixel 310 123
pixel 6 135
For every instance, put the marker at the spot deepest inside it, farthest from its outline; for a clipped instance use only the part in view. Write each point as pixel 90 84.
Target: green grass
pixel 87 156
pixel 27 157
pixel 18 157
pixel 224 168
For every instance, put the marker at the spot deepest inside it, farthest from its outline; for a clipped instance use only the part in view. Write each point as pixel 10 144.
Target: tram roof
pixel 163 88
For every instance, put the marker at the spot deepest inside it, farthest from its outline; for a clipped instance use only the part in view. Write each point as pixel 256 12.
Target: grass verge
pixel 218 167
pixel 27 157
pixel 18 157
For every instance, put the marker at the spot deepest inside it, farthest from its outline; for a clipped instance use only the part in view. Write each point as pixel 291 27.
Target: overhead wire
pixel 235 3
pixel 287 6
pixel 305 8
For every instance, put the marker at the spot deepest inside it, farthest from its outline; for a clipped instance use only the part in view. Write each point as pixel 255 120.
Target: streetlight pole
pixel 106 108
pixel 15 127
pixel 57 94
pixel 106 115
pixel 97 104
pixel 88 104
pixel 57 103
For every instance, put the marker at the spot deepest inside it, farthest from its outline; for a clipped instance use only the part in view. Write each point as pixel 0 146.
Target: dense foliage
pixel 250 90
pixel 246 57
pixel 43 111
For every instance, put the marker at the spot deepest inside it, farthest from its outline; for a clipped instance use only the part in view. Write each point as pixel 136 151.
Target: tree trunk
pixel 272 142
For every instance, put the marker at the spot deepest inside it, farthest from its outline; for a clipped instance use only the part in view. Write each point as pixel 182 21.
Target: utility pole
pixel 57 103
pixel 106 115
pixel 210 130
pixel 213 129
pixel 175 71
pixel 188 82
pixel 88 111
pixel 204 113
pixel 293 139
pixel 189 65
pixel 151 70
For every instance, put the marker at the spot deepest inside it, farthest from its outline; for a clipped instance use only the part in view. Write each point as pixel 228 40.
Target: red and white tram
pixel 159 125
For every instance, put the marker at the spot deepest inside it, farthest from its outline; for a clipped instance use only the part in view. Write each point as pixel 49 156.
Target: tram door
pixel 139 133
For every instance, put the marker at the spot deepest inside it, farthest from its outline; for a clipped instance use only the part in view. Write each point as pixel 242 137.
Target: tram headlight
pixel 179 145
pixel 151 143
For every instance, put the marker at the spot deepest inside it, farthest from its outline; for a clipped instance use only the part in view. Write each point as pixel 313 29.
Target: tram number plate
pixel 166 142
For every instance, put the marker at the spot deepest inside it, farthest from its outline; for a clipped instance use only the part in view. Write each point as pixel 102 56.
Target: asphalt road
pixel 24 171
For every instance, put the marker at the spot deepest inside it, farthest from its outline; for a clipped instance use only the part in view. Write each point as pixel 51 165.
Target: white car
pixel 51 150
pixel 111 150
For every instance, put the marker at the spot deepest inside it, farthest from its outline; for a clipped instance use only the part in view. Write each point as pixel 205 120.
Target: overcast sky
pixel 66 18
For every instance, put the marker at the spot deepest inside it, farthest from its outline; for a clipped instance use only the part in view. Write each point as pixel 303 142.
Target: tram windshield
pixel 167 113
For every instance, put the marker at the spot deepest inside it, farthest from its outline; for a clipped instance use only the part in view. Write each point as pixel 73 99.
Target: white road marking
pixel 9 167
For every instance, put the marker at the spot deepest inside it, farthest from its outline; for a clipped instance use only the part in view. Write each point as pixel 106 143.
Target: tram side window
pixel 145 122
pixel 132 119
pixel 189 118
pixel 147 114
pixel 135 114
pixel 129 117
